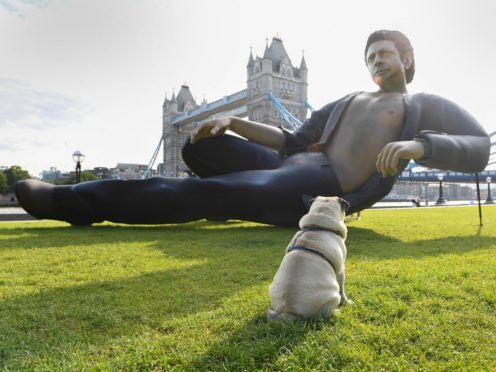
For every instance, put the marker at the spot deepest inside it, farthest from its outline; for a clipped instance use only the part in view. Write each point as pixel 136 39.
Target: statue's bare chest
pixel 372 119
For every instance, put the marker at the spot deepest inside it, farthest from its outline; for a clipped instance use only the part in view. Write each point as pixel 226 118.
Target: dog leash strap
pixel 302 248
pixel 314 228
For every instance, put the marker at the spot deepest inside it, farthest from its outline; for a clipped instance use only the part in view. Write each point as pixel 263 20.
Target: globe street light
pixel 440 200
pixel 489 200
pixel 78 157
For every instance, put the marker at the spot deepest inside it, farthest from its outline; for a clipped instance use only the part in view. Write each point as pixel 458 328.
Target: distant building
pixel 128 171
pixel 274 73
pixel 54 176
pixel 101 173
pixel 123 171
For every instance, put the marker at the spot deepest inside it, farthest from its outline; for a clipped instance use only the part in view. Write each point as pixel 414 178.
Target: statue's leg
pixel 271 196
pixel 274 196
pixel 227 154
pixel 77 204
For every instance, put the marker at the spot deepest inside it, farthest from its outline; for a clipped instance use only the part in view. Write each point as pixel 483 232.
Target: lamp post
pixel 489 200
pixel 78 157
pixel 440 200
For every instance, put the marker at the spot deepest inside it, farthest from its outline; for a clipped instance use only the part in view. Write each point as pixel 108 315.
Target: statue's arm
pixel 309 133
pixel 448 138
pixel 453 138
pixel 275 138
pixel 263 134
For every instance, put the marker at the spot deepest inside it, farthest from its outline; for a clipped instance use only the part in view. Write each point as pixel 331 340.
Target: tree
pixel 4 186
pixel 14 174
pixel 85 176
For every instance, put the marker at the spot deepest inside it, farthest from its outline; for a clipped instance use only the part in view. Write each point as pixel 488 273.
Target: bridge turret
pixel 303 72
pixel 173 104
pixel 250 71
pixel 267 50
pixel 185 100
pixel 267 60
pixel 174 137
pixel 303 63
pixel 204 103
pixel 251 61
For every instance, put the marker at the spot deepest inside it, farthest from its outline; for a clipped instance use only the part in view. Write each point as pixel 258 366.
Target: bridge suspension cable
pixel 152 160
pixel 309 106
pixel 291 121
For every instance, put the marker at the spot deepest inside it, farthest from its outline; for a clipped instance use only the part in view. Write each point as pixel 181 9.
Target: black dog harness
pixel 294 247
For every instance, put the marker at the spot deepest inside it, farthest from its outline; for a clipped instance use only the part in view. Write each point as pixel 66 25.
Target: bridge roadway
pixel 234 104
pixel 448 176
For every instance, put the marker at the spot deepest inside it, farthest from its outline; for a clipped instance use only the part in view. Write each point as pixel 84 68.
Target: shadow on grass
pixel 257 345
pixel 34 325
pixel 361 241
pixel 92 315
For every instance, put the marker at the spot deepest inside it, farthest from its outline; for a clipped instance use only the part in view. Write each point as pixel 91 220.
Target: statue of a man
pixel 354 148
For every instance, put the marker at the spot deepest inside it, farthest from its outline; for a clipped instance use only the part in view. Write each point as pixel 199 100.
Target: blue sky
pixel 21 7
pixel 92 74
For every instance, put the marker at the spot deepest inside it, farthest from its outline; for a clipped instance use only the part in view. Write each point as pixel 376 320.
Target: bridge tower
pixel 273 73
pixel 175 136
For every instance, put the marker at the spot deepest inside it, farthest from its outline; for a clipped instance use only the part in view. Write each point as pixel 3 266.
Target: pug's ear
pixel 344 204
pixel 307 200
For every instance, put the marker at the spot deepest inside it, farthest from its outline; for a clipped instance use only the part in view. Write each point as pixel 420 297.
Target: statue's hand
pixel 390 155
pixel 210 129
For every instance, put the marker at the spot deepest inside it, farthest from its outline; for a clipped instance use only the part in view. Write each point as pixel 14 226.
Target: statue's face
pixel 385 64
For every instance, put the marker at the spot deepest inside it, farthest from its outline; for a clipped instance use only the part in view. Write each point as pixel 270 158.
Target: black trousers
pixel 237 179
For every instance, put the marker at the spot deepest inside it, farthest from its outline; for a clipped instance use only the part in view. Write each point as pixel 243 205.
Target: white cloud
pixel 24 107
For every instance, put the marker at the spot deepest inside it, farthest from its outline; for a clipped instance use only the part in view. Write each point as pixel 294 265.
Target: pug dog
pixel 310 280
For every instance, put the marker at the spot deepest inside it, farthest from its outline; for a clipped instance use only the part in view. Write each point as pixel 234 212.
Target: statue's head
pixel 402 44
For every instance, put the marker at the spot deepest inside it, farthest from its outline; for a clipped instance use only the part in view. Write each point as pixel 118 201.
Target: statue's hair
pixel 400 41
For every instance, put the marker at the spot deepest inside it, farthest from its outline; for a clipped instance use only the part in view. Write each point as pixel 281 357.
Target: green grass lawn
pixel 194 296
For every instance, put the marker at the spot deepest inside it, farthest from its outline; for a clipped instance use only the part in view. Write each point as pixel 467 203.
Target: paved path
pixel 15 214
